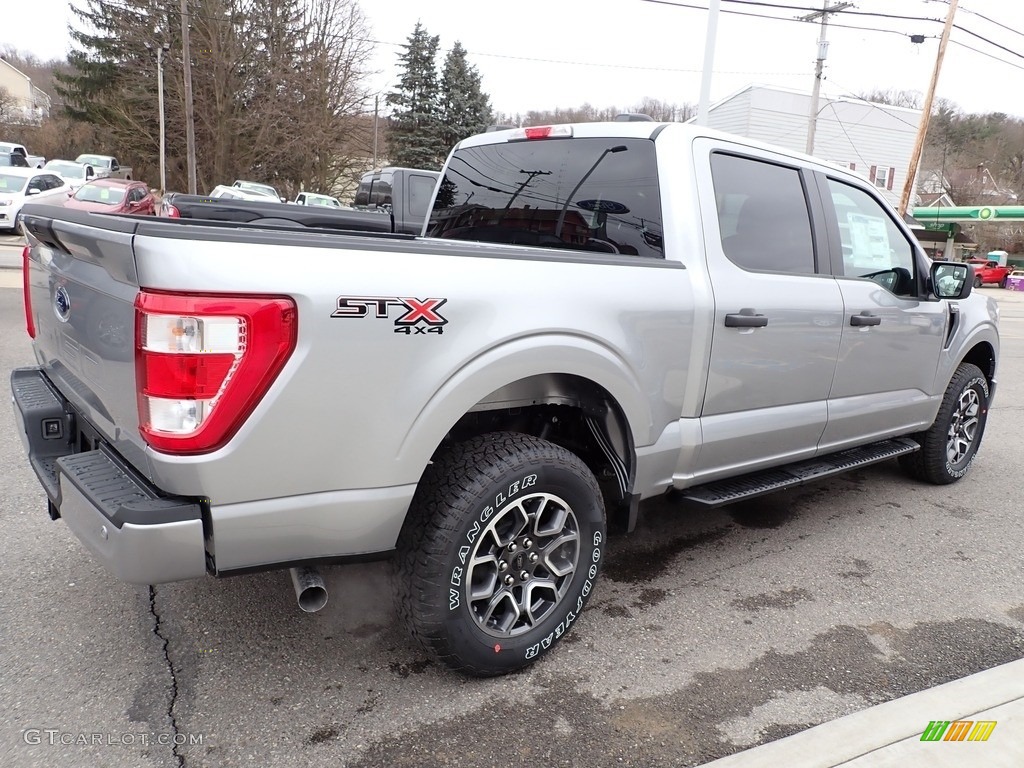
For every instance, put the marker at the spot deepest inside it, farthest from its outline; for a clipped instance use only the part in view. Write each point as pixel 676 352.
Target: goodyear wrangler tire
pixel 500 552
pixel 949 446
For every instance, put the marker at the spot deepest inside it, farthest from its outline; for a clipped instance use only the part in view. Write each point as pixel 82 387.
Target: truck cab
pixel 404 192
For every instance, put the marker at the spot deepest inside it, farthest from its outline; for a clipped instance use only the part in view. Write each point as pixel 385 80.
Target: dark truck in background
pixel 404 192
pixel 392 200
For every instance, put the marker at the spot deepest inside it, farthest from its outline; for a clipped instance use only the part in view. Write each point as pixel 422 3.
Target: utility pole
pixel 926 112
pixel 709 63
pixel 819 66
pixel 163 131
pixel 376 114
pixel 190 122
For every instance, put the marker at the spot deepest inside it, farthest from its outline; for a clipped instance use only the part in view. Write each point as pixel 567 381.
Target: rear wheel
pixel 949 446
pixel 977 282
pixel 500 552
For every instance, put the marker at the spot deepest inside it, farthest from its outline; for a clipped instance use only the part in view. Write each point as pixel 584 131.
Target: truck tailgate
pixel 82 288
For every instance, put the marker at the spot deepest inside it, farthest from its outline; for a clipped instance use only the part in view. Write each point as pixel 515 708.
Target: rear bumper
pixel 138 533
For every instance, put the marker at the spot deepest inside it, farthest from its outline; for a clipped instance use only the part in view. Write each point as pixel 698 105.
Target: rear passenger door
pixel 778 310
pixel 892 331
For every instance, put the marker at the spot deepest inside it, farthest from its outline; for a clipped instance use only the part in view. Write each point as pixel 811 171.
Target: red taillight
pixel 170 211
pixel 202 363
pixel 30 324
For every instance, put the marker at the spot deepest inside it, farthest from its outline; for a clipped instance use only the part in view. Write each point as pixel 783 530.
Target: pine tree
pixel 465 108
pixel 415 128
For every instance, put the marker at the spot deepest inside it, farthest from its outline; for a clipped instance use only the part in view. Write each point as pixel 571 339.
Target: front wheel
pixel 977 282
pixel 500 552
pixel 949 446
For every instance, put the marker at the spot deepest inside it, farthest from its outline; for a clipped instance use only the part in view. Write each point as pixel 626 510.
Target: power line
pixel 142 12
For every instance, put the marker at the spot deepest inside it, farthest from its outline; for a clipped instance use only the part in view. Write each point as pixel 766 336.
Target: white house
pixel 875 140
pixel 32 102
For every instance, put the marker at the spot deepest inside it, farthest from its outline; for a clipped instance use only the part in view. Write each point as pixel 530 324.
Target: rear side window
pixel 762 215
pixel 420 189
pixel 588 194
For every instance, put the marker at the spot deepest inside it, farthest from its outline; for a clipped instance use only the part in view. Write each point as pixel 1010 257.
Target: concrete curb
pixel 889 734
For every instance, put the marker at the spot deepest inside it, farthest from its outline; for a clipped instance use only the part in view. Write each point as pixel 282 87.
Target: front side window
pixel 762 215
pixel 874 248
pixel 588 194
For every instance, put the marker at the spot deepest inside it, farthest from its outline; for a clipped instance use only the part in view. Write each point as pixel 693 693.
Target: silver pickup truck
pixel 596 314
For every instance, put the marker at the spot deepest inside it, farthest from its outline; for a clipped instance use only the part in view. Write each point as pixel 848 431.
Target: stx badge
pixel 419 315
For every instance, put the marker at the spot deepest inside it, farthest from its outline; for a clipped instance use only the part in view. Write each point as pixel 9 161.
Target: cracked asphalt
pixel 708 632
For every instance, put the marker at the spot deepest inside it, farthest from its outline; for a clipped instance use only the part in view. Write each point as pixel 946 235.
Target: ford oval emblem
pixel 62 304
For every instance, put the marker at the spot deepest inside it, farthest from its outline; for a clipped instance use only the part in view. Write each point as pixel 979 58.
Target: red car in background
pixel 989 272
pixel 113 196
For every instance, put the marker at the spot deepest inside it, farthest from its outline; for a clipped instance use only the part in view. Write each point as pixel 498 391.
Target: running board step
pixel 757 483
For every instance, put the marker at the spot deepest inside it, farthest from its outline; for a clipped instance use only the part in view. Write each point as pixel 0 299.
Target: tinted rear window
pixel 592 194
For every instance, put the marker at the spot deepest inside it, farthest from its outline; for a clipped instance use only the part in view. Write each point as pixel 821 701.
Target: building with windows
pixel 875 140
pixel 29 102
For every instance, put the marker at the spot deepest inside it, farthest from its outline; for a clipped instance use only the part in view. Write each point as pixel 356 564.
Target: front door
pixel 892 330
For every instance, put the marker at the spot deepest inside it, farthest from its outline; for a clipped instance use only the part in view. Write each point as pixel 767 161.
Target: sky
pixel 543 54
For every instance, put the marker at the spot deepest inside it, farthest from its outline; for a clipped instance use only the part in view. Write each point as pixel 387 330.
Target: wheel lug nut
pixel 502 565
pixel 527 544
pixel 523 576
pixel 512 547
pixel 534 557
pixel 509 580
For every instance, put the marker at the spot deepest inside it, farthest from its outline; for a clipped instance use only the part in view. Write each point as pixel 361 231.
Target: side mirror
pixel 32 191
pixel 952 280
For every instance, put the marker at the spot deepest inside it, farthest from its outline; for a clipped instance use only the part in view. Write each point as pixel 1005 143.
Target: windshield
pixel 10 183
pixel 328 202
pixel 68 170
pixel 94 193
pixel 91 160
pixel 251 186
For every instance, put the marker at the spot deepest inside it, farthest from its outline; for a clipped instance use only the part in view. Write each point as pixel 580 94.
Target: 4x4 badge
pixel 419 316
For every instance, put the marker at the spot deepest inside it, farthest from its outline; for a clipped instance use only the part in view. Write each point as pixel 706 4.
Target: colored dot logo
pixel 985 213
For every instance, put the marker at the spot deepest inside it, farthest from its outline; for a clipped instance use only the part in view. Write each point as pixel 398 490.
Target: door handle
pixel 746 318
pixel 865 318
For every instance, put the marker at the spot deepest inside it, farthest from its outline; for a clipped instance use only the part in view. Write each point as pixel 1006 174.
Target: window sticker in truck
pixel 416 311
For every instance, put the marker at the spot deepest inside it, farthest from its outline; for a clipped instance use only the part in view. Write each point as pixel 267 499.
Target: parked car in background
pixel 106 166
pixel 311 198
pixel 257 187
pixel 113 196
pixel 32 161
pixel 75 174
pixel 19 185
pixel 404 192
pixel 1015 280
pixel 12 160
pixel 989 272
